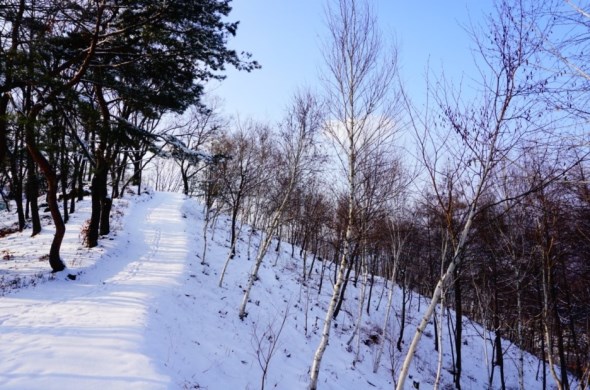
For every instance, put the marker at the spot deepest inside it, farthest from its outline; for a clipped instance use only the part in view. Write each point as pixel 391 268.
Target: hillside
pixel 142 312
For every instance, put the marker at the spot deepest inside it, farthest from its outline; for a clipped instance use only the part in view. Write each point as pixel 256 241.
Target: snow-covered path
pixel 95 333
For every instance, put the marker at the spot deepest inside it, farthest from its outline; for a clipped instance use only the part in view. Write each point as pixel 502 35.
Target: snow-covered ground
pixel 144 313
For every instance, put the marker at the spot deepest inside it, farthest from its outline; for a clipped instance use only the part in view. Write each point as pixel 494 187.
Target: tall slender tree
pixel 486 133
pixel 359 82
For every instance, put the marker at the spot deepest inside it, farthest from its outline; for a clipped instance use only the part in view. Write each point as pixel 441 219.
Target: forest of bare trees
pixel 487 212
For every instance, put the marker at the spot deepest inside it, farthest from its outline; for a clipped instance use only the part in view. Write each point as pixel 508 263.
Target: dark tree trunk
pixel 304 274
pixel 105 213
pixel 90 140
pixel 4 198
pixel 98 194
pixel 92 233
pixel 52 183
pixel 435 338
pixel 343 291
pixel 81 181
pixel 32 189
pixel 357 272
pixel 291 237
pixel 279 239
pixel 303 243
pixel 4 99
pixel 117 170
pixel 65 167
pixel 311 265
pixel 60 229
pixel 579 371
pixel 73 190
pixel 336 264
pixel 315 255
pixel 19 205
pixel 101 206
pixel 120 178
pixel 559 334
pixel 541 332
pixel 184 181
pixel 458 327
pixel 234 221
pixel 403 315
pixel 499 356
pixel 497 326
pixel 136 181
pixel 115 175
pixel 17 183
pixel 372 282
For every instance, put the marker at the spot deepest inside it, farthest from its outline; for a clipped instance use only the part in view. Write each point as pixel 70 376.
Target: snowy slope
pixel 144 313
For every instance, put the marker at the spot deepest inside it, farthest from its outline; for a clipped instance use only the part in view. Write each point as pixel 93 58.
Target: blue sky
pixel 285 37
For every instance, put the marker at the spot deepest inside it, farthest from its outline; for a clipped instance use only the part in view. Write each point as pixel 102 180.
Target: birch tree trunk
pixel 439 343
pixel 319 354
pixel 357 325
pixel 439 323
pixel 487 131
pixel 230 257
pixel 438 291
pixel 364 107
pixel 262 250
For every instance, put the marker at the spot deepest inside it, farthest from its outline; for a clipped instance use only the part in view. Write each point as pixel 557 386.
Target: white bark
pixel 229 257
pixel 439 342
pixel 263 248
pixel 445 247
pixel 357 325
pixel 358 86
pixel 438 291
pixel 317 357
pixel 485 153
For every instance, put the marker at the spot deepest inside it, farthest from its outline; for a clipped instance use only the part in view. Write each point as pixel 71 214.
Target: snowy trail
pixel 95 332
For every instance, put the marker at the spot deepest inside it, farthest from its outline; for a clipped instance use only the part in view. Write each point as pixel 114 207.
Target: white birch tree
pixel 482 133
pixel 359 82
